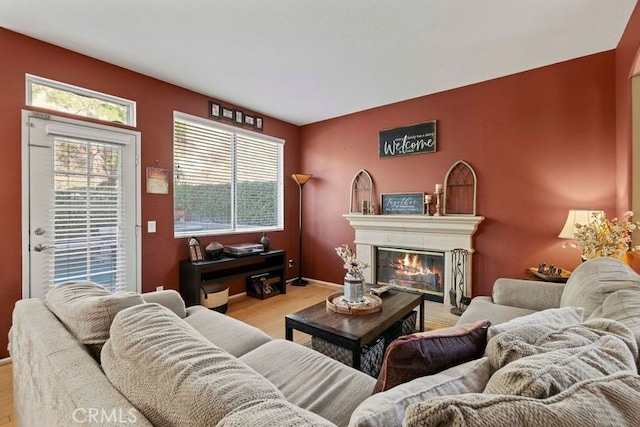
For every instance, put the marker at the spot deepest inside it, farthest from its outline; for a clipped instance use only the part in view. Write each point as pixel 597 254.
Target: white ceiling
pixel 303 61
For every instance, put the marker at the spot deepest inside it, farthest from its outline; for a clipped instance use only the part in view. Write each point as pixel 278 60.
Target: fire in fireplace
pixel 421 271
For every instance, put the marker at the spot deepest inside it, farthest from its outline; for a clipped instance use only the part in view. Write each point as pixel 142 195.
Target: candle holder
pixel 438 194
pixel 427 205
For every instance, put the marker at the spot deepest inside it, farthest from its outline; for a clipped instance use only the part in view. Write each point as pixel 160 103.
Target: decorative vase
pixel 353 288
pixel 265 242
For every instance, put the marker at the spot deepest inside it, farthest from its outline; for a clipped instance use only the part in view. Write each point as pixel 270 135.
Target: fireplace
pixel 414 270
pixel 440 235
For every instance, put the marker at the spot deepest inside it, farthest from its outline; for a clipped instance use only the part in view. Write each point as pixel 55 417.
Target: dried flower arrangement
pixel 603 237
pixel 353 266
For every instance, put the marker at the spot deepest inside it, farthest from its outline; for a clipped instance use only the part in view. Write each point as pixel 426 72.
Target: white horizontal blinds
pixel 203 168
pixel 226 180
pixel 88 213
pixel 258 193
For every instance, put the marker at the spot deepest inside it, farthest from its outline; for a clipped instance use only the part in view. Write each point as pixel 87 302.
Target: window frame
pixel 178 115
pixel 130 105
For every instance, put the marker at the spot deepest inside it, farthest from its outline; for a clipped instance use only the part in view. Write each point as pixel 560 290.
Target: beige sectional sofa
pixel 82 357
pixel 187 367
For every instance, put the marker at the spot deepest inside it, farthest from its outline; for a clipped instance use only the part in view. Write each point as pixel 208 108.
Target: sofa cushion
pixel 168 298
pixel 273 413
pixel 87 309
pixel 608 401
pixel 172 374
pixel 483 308
pixel 527 341
pixel 553 316
pixel 311 380
pixel 592 281
pixel 230 334
pixel 546 374
pixel 388 408
pixel 427 353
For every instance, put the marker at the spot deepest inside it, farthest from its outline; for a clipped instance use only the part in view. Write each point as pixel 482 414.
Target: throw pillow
pixel 427 353
pixel 388 408
pixel 529 340
pixel 608 401
pixel 564 316
pixel 87 309
pixel 546 374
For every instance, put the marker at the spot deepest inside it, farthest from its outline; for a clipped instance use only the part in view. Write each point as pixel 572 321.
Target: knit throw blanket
pixel 582 375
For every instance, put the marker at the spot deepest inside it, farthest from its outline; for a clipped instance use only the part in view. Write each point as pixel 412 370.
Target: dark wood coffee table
pixel 354 331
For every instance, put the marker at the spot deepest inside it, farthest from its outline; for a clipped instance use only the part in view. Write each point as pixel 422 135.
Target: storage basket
pixel 370 359
pixel 215 296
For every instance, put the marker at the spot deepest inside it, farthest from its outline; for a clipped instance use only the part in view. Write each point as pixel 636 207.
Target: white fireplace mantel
pixel 436 233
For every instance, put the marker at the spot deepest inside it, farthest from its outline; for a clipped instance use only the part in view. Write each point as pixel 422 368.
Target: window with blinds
pixel 88 212
pixel 226 180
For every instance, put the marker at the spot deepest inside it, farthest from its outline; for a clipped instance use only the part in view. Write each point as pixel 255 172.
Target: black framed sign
pixel 413 139
pixel 402 204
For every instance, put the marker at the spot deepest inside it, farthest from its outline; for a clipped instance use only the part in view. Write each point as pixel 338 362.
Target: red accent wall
pixel 156 101
pixel 541 142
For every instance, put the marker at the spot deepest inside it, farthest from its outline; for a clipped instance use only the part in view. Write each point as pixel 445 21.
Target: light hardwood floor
pixel 267 315
pixel 6 396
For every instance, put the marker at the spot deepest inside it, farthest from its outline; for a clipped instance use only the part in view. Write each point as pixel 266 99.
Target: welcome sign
pixel 414 139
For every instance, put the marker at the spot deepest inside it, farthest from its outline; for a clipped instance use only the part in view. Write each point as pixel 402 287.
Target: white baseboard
pixel 237 296
pixel 5 361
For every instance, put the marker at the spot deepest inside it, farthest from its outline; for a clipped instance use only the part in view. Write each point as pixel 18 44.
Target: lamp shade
pixel 577 217
pixel 301 178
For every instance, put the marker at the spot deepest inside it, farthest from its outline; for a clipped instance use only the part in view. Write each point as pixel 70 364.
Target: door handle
pixel 40 247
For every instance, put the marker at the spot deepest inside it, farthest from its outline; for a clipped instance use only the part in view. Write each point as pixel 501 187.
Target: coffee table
pixel 354 331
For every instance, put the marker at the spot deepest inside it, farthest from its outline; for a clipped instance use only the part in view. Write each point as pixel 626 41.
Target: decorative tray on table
pixel 371 304
pixel 558 278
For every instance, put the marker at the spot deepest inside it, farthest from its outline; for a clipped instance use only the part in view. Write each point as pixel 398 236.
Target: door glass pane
pixel 88 213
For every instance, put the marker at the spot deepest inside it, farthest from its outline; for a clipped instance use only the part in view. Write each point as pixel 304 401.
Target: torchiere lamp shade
pixel 301 178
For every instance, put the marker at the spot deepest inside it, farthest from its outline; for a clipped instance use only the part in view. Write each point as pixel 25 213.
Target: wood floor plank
pixel 268 314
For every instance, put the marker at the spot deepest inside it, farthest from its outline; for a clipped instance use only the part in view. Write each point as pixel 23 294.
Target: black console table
pixel 264 268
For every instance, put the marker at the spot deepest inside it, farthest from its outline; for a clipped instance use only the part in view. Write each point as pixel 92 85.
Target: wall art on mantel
pixel 406 140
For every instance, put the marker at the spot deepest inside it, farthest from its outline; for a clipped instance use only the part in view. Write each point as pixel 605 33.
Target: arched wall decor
pixel 460 190
pixel 361 194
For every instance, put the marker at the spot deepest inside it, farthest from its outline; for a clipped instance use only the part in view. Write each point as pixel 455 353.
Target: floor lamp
pixel 301 179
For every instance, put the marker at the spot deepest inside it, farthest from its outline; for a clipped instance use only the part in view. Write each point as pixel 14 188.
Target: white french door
pixel 81 208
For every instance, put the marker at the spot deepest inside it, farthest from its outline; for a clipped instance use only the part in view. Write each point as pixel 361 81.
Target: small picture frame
pixel 195 250
pixel 259 123
pixel 238 117
pixel 249 120
pixel 227 113
pixel 157 180
pixel 214 109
